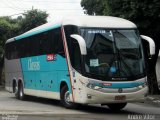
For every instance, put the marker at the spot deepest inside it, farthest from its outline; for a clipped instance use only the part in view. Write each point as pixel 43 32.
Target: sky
pixel 55 8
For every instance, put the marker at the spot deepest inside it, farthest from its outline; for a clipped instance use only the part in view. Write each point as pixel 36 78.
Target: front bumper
pixel 97 97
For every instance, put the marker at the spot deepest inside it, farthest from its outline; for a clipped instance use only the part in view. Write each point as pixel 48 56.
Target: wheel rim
pixel 67 97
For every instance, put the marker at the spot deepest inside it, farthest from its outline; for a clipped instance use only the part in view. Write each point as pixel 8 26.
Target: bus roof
pixel 98 21
pixel 82 21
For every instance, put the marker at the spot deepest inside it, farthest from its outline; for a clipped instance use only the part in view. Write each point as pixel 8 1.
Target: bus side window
pixel 7 51
pixel 14 51
pixel 73 47
pixel 43 43
pixel 58 42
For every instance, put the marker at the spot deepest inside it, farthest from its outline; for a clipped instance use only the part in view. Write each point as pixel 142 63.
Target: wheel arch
pixel 63 83
pixel 63 91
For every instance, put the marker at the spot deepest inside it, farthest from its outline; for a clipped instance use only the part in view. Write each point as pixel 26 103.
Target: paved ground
pixel 39 109
pixel 154 100
pixel 1 88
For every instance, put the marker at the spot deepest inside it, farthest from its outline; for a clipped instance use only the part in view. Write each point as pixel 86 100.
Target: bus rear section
pixel 35 64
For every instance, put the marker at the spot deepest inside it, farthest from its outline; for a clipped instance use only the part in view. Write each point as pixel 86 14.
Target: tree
pixel 32 19
pixel 12 27
pixel 7 28
pixel 144 13
pixel 93 7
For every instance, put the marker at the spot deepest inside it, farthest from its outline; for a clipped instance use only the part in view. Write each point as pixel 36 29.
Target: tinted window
pixel 73 47
pixel 40 44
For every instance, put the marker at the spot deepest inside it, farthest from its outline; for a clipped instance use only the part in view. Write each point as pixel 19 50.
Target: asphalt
pixel 1 87
pixel 153 99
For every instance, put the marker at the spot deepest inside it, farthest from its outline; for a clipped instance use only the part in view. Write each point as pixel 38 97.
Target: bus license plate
pixel 120 97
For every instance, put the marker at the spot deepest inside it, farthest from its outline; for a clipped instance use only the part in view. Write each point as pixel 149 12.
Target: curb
pixel 153 100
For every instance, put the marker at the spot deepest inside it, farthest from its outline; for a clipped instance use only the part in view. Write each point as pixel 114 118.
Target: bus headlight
pixel 92 86
pixel 142 86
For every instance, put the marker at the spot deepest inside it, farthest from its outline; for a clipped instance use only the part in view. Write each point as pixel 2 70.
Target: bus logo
pixel 51 57
pixel 33 65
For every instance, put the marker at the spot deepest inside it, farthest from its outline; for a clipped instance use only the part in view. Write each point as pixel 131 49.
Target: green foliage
pixel 7 29
pixel 32 19
pixel 12 27
pixel 145 13
pixel 94 7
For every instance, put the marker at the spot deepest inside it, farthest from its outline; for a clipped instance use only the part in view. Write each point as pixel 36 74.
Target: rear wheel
pixel 65 98
pixel 117 106
pixel 21 95
pixel 15 90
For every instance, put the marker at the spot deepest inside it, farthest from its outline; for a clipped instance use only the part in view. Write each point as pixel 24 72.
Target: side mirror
pixel 151 44
pixel 81 42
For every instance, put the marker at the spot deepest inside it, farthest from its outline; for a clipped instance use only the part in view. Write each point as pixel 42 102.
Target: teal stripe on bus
pixel 125 85
pixel 116 85
pixel 25 35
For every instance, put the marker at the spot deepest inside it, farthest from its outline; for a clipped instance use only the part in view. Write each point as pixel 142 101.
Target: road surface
pixel 46 109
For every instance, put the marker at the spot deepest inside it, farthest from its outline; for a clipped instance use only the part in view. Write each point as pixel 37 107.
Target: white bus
pixel 82 59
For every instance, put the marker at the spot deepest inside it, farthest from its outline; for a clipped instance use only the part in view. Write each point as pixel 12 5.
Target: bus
pixel 79 60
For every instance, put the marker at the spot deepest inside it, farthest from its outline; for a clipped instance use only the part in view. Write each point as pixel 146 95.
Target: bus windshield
pixel 113 54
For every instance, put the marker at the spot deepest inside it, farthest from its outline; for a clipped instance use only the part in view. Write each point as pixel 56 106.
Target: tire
pixel 21 95
pixel 15 90
pixel 116 106
pixel 65 100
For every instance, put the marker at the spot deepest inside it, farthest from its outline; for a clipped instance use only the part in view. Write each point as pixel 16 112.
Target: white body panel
pixel 152 46
pixel 41 93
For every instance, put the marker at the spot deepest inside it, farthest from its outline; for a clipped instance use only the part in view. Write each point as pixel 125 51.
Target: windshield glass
pixel 113 54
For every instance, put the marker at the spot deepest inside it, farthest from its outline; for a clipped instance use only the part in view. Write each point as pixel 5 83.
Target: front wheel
pixel 116 106
pixel 65 98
